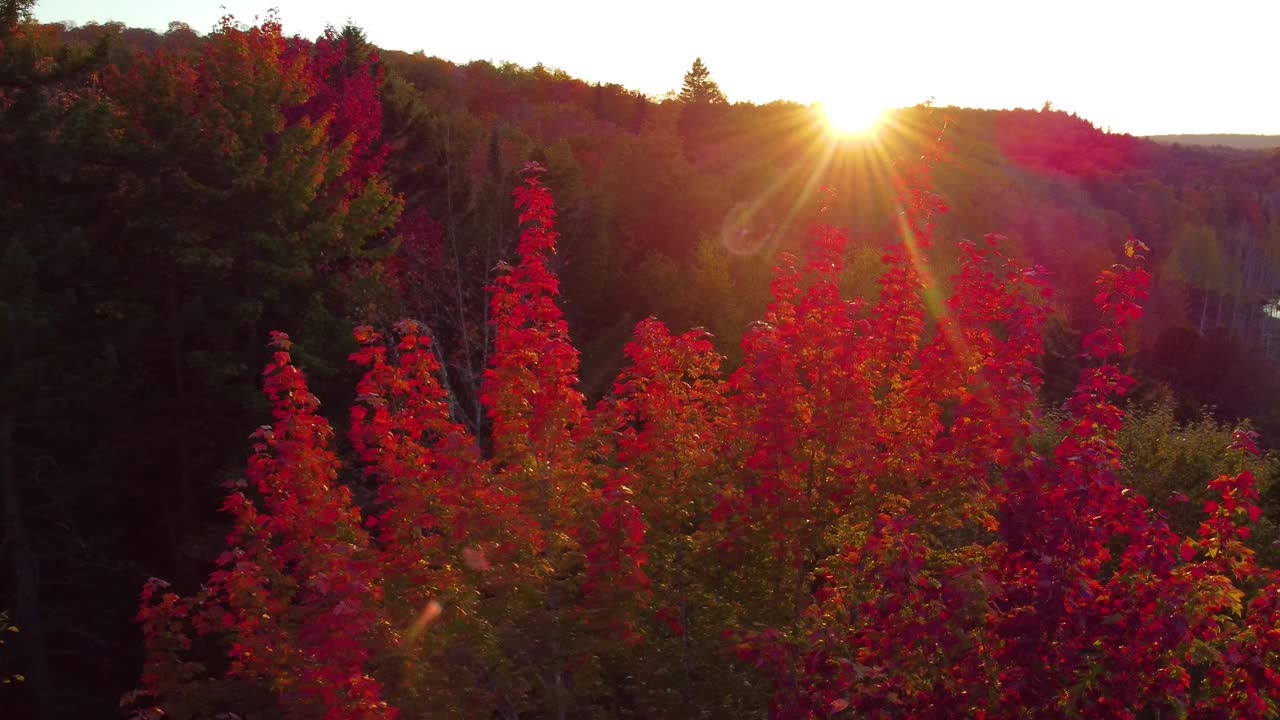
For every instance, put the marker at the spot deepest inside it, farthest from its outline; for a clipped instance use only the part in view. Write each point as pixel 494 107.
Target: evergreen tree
pixel 51 366
pixel 699 88
pixel 155 221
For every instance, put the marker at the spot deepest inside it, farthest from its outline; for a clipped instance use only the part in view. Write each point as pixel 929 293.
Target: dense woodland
pixel 1229 140
pixel 484 481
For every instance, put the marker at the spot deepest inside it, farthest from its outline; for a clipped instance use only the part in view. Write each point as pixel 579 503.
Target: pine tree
pixel 699 88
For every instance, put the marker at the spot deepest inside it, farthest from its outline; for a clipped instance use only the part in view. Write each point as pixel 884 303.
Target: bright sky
pixel 1136 66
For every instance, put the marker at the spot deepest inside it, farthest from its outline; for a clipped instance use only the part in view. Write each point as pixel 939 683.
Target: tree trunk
pixel 1252 279
pixel 459 298
pixel 186 501
pixel 26 587
pixel 1238 308
pixel 1204 310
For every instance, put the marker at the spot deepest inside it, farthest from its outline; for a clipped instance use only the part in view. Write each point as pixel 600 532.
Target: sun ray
pixel 914 250
pixel 821 148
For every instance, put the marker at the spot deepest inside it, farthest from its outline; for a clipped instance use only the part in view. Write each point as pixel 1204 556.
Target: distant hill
pixel 1240 142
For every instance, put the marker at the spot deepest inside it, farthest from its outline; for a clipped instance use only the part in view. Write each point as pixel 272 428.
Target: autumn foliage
pixel 853 523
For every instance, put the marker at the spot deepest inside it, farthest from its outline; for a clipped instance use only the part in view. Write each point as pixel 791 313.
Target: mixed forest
pixel 343 382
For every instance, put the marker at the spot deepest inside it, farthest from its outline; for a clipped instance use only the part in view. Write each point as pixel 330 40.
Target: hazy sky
pixel 1137 66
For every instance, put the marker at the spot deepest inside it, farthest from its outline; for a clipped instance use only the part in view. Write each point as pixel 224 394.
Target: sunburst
pixel 850 115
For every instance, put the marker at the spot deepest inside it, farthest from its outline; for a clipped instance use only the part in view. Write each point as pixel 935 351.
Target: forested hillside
pixel 1239 142
pixel 625 518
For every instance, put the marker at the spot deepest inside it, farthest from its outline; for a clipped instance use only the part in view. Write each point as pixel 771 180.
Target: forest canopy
pixel 720 415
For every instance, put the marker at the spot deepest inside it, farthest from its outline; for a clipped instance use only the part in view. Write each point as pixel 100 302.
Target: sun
pixel 851 115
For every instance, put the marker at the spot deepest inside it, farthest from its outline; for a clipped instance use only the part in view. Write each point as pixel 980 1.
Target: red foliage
pixel 344 96
pixel 297 595
pixel 237 98
pixel 857 511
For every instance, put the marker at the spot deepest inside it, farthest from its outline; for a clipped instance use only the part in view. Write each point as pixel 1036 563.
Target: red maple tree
pixel 856 516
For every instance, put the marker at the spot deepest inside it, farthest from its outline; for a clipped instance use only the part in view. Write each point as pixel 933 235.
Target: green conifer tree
pixel 699 88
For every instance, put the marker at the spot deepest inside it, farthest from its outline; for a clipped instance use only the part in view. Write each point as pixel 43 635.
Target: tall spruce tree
pixel 704 103
pixel 699 88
